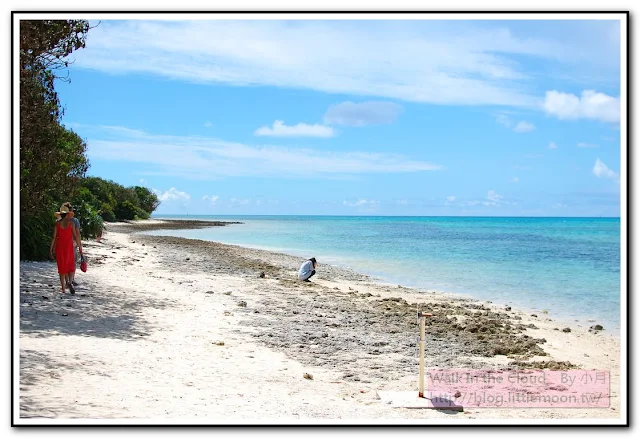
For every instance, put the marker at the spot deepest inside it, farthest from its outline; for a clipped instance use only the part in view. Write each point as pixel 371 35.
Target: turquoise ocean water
pixel 567 266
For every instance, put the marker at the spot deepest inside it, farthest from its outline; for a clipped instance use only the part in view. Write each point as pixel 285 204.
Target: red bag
pixel 83 264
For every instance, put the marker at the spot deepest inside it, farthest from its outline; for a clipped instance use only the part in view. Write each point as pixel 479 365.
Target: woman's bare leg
pixel 62 282
pixel 70 284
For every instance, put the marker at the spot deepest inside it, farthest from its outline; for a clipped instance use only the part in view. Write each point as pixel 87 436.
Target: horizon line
pixel 372 215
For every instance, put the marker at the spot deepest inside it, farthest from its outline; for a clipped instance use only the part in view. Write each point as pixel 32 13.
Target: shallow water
pixel 569 267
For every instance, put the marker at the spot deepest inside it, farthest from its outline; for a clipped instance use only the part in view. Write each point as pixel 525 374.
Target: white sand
pixel 141 345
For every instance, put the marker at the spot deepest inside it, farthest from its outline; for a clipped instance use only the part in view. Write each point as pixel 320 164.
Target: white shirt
pixel 305 269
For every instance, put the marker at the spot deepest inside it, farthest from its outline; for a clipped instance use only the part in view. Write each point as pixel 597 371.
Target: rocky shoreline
pixel 128 227
pixel 316 323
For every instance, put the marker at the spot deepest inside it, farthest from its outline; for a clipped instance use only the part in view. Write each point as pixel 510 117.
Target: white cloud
pixel 211 198
pixel 402 201
pixel 279 129
pixel 196 157
pixel 235 201
pixel 587 145
pixel 172 194
pixel 208 124
pixel 450 200
pixel 552 145
pixel 362 203
pixel 492 195
pixel 143 181
pixel 433 61
pixel 503 119
pixel 602 171
pixel 523 126
pixel 515 179
pixel 494 199
pixel 590 105
pixel 362 114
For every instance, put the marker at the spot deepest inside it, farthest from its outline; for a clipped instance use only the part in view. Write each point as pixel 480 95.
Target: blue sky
pixel 420 117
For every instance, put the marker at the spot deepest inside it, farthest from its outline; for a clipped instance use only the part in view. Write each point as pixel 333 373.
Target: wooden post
pixel 421 381
pixel 422 319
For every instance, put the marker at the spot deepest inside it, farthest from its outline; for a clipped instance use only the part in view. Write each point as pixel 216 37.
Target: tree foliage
pixel 35 233
pixel 46 44
pixel 91 223
pixel 126 210
pixel 148 200
pixel 52 158
pixel 116 202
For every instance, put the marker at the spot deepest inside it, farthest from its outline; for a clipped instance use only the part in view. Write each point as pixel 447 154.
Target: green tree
pixel 102 189
pixel 148 200
pixel 116 202
pixel 52 158
pixel 107 213
pixel 123 194
pixel 84 195
pixel 45 44
pixel 126 210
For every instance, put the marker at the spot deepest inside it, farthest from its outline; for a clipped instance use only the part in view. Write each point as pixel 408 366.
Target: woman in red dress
pixel 63 236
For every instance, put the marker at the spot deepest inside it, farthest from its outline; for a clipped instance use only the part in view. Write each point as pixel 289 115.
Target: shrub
pixel 125 210
pixel 141 214
pixel 107 213
pixel 36 232
pixel 90 221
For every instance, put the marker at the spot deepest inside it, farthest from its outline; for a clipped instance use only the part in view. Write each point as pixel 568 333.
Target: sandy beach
pixel 166 329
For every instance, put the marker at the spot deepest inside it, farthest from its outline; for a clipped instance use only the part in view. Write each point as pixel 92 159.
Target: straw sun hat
pixel 64 209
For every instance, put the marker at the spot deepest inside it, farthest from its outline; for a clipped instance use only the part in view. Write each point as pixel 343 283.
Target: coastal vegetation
pixel 53 160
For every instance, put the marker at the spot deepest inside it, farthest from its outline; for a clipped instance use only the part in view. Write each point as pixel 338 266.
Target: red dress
pixel 65 256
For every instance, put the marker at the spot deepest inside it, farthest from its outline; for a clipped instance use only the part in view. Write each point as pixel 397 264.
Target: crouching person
pixel 308 269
